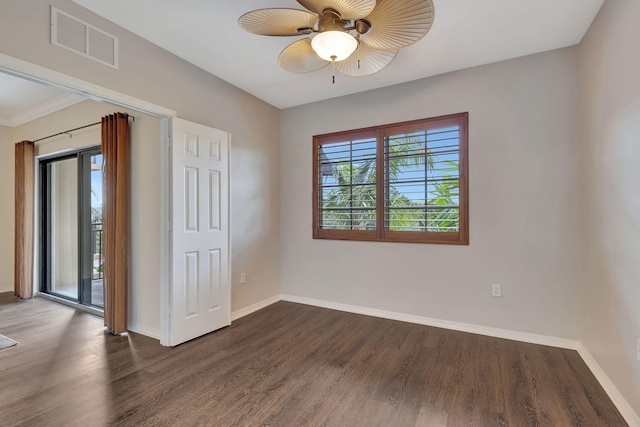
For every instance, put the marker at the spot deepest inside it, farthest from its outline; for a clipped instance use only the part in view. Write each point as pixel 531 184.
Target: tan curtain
pixel 115 148
pixel 23 262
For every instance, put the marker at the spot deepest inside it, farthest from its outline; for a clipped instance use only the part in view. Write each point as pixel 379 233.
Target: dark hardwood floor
pixel 286 365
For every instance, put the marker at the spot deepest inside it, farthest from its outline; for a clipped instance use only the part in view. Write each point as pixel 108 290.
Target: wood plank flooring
pixel 286 365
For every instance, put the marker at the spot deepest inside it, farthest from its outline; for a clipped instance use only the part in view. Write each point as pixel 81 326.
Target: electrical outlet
pixel 243 277
pixel 496 290
pixel 638 355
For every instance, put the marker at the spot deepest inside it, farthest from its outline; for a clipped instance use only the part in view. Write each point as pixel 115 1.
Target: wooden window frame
pixel 380 234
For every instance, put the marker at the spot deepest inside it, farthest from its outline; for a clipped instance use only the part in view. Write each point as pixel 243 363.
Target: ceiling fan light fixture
pixel 334 45
pixel 357 37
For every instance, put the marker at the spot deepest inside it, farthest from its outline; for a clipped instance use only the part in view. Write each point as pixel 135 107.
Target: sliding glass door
pixel 71 216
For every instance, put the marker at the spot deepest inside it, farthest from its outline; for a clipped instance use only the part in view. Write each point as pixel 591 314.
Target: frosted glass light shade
pixel 334 45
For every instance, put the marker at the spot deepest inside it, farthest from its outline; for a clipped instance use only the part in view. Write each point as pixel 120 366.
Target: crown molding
pixel 41 110
pixel 19 68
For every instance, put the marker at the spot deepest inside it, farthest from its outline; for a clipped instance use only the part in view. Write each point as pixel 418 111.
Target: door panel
pixel 201 288
pixel 71 228
pixel 63 226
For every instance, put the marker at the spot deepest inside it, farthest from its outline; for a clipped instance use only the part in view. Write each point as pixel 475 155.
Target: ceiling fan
pixel 359 37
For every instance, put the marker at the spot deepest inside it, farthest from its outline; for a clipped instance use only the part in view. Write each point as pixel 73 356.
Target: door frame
pixel 36 73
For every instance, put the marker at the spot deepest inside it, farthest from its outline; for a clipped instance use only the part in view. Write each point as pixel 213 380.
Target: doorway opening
pixel 38 74
pixel 71 227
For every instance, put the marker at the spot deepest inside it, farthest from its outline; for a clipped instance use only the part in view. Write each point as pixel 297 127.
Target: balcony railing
pixel 96 245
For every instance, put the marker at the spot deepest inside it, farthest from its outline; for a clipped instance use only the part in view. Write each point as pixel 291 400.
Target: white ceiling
pixel 465 33
pixel 22 100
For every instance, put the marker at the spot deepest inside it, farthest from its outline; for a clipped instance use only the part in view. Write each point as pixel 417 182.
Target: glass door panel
pixel 72 227
pixel 95 296
pixel 63 228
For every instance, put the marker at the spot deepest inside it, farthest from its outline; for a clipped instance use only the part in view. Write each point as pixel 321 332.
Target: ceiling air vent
pixel 73 34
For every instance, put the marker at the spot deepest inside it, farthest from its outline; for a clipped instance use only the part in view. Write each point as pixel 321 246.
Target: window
pixel 405 182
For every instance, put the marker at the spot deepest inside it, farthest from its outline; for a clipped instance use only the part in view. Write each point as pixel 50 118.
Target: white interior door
pixel 201 286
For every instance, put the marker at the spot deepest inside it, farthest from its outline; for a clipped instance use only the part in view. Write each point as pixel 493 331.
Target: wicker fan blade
pixel 366 61
pixel 398 23
pixel 277 22
pixel 299 58
pixel 348 9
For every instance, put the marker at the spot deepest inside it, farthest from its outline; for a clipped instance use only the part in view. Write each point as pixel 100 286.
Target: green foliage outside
pixel 353 206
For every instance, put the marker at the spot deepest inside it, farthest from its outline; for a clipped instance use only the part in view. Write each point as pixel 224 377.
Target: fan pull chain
pixel 358 64
pixel 333 68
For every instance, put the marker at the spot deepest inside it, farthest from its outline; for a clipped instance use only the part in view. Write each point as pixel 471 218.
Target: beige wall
pixel 532 207
pixel 7 168
pixel 610 147
pixel 144 207
pixel 524 202
pixel 152 74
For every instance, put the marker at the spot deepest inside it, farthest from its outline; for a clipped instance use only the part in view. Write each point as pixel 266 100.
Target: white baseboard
pixel 254 307
pixel 609 387
pixel 438 323
pixel 142 330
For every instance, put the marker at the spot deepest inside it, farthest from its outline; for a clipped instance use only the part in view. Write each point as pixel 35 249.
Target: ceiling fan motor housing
pixel 333 24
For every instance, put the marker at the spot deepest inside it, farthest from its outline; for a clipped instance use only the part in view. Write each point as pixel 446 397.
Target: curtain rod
pixel 66 132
